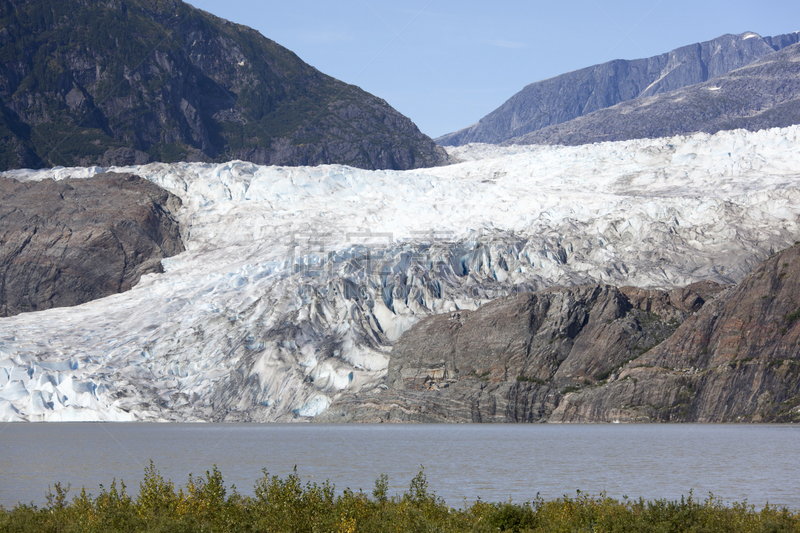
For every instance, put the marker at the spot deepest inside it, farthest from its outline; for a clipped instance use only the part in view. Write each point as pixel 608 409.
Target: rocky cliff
pixel 579 93
pixel 132 81
pixel 67 242
pixel 514 359
pixel 763 94
pixel 735 360
pixel 601 354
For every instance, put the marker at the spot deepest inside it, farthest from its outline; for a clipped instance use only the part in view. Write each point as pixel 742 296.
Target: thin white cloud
pixel 503 43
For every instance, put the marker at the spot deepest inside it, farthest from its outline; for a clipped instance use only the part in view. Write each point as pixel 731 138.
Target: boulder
pixel 66 242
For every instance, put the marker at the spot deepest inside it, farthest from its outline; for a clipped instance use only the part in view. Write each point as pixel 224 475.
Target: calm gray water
pixel 493 462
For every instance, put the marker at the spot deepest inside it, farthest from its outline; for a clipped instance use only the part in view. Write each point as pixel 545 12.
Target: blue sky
pixel 447 63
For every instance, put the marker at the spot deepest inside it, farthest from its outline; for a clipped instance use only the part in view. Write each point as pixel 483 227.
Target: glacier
pixel 296 281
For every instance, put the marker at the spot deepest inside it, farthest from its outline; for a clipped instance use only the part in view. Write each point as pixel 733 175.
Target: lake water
pixel 757 463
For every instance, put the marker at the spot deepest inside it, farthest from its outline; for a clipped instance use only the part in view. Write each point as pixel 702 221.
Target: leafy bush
pixel 792 317
pixel 288 505
pixel 530 379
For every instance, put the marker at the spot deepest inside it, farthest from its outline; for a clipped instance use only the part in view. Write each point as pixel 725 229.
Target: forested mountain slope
pixel 133 81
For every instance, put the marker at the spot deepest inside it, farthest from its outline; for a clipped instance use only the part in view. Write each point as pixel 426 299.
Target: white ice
pixel 296 281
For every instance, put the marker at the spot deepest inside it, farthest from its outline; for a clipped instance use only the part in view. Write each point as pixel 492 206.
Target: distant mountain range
pixel 672 93
pixel 132 81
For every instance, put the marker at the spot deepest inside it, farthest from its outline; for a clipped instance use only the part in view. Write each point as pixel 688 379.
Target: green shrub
pixel 792 317
pixel 530 379
pixel 288 505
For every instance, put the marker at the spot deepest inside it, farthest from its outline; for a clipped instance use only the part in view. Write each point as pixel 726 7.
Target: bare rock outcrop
pixel 737 359
pixel 66 242
pixel 515 358
pixel 702 353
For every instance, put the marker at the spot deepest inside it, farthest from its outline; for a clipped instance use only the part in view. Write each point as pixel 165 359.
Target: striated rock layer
pixel 600 354
pixel 738 359
pixel 67 242
pixel 514 359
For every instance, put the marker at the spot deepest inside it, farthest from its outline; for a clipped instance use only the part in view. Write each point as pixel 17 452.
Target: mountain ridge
pixel 760 95
pixel 63 243
pixel 132 81
pixel 578 93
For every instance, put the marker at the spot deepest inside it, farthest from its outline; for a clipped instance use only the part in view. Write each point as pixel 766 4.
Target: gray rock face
pixel 575 94
pixel 137 81
pixel 763 94
pixel 66 242
pixel 513 359
pixel 782 41
pixel 703 353
pixel 737 359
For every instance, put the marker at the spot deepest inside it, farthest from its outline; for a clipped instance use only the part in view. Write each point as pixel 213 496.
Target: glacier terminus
pixel 296 281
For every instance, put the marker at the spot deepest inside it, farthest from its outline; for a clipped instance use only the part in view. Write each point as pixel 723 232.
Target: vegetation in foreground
pixel 287 505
